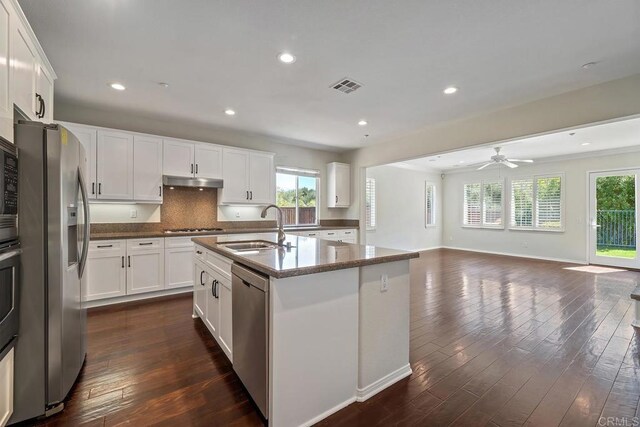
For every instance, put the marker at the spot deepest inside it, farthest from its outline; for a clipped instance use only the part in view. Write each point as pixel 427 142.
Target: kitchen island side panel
pixel 313 346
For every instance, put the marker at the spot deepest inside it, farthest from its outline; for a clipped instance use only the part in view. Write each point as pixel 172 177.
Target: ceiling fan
pixel 502 159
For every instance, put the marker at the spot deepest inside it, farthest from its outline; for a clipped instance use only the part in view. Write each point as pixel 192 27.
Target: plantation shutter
pixel 429 204
pixel 492 204
pixel 370 201
pixel 548 202
pixel 472 208
pixel 522 203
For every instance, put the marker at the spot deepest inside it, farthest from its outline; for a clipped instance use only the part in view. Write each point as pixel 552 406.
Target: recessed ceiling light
pixel 286 58
pixel 362 122
pixel 450 90
pixel 230 112
pixel 585 143
pixel 117 86
pixel 163 84
pixel 461 161
pixel 589 65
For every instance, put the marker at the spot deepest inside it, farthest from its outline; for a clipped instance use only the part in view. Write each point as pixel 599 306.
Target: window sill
pixel 543 230
pixel 431 226
pixel 484 227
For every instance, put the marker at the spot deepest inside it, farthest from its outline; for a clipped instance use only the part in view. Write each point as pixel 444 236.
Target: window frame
pixel 482 224
pixel 434 215
pixel 298 173
pixel 534 201
pixel 367 217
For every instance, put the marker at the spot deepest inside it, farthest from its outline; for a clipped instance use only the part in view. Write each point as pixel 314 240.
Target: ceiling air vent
pixel 346 85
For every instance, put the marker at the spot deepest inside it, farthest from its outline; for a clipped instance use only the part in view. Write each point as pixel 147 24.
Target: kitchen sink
pixel 254 245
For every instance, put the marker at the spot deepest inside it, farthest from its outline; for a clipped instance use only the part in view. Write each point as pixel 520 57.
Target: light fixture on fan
pixel 501 159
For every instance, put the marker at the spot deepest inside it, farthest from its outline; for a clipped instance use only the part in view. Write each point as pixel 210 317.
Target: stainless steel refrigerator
pixel 53 223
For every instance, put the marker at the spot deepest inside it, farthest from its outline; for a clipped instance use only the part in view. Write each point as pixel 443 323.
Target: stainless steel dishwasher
pixel 250 331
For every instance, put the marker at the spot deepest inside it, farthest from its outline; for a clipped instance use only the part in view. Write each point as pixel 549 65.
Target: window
pixel 483 204
pixel 536 203
pixel 370 201
pixel 297 195
pixel 430 198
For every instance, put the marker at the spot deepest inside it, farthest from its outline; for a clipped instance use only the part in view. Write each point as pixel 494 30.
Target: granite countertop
pixel 153 234
pixel 307 255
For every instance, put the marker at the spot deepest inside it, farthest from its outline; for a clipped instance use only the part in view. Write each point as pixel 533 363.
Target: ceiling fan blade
pixel 485 165
pixel 509 164
pixel 521 161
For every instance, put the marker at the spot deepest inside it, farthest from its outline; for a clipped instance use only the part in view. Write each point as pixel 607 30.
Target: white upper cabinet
pixel 88 137
pixel 115 165
pixel 147 168
pixel 23 70
pixel 44 94
pixel 208 161
pixel 248 177
pixel 6 105
pixel 178 158
pixel 261 178
pixel 236 176
pixel 338 185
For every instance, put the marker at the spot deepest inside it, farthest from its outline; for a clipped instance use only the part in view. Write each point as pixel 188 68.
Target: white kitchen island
pixel 336 333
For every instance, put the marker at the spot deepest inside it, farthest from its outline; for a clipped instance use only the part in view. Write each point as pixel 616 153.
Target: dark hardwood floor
pixel 495 341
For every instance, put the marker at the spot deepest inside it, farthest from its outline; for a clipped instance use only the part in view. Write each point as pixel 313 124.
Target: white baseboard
pixel 428 249
pixel 331 411
pixel 384 382
pixel 569 261
pixel 137 297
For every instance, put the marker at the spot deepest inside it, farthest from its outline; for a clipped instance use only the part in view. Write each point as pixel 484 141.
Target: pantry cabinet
pixel 147 168
pixel 106 270
pixel 192 159
pixel 338 185
pixel 248 177
pixel 115 165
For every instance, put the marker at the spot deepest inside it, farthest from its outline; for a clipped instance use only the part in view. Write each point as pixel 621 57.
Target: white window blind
pixel 430 214
pixel 492 204
pixel 472 204
pixel 548 203
pixel 536 203
pixel 370 200
pixel 522 203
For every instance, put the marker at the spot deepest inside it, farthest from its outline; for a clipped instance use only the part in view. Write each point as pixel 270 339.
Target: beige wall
pixel 287 154
pixel 615 99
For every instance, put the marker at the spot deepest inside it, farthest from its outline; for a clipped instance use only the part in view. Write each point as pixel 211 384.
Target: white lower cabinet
pixel 178 262
pixel 212 299
pixel 106 270
pixel 6 387
pixel 145 265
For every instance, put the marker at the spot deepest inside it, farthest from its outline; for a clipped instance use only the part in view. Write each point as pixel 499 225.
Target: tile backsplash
pixel 186 207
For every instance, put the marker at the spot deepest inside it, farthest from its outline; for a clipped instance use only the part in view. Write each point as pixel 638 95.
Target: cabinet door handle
pixel 99 188
pixel 105 246
pixel 191 167
pixel 201 279
pixel 93 188
pixel 44 107
pixel 336 199
pixel 247 194
pixel 160 191
pixel 196 168
pixel 129 261
pixel 40 111
pixel 122 261
pixel 250 195
pixel 213 288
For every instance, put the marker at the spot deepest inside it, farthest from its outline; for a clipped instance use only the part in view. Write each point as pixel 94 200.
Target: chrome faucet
pixel 281 236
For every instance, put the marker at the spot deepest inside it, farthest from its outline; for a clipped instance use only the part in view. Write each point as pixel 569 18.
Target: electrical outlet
pixel 237 214
pixel 133 213
pixel 384 283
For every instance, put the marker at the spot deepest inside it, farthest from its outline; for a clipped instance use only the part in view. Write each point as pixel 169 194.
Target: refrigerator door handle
pixel 87 224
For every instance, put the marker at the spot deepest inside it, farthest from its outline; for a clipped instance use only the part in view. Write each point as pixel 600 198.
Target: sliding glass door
pixel 614 227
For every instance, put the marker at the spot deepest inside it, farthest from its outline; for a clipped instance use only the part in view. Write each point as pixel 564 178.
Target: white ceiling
pixel 219 54
pixel 604 137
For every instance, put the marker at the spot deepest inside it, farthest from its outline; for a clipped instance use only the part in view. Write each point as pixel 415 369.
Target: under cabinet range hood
pixel 181 181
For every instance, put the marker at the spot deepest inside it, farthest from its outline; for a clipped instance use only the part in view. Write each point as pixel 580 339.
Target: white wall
pixel 570 245
pixel 400 196
pixel 116 212
pixel 288 152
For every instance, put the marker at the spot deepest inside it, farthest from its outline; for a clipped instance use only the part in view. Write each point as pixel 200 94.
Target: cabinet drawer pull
pixel 199 252
pixel 105 246
pixel 145 244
